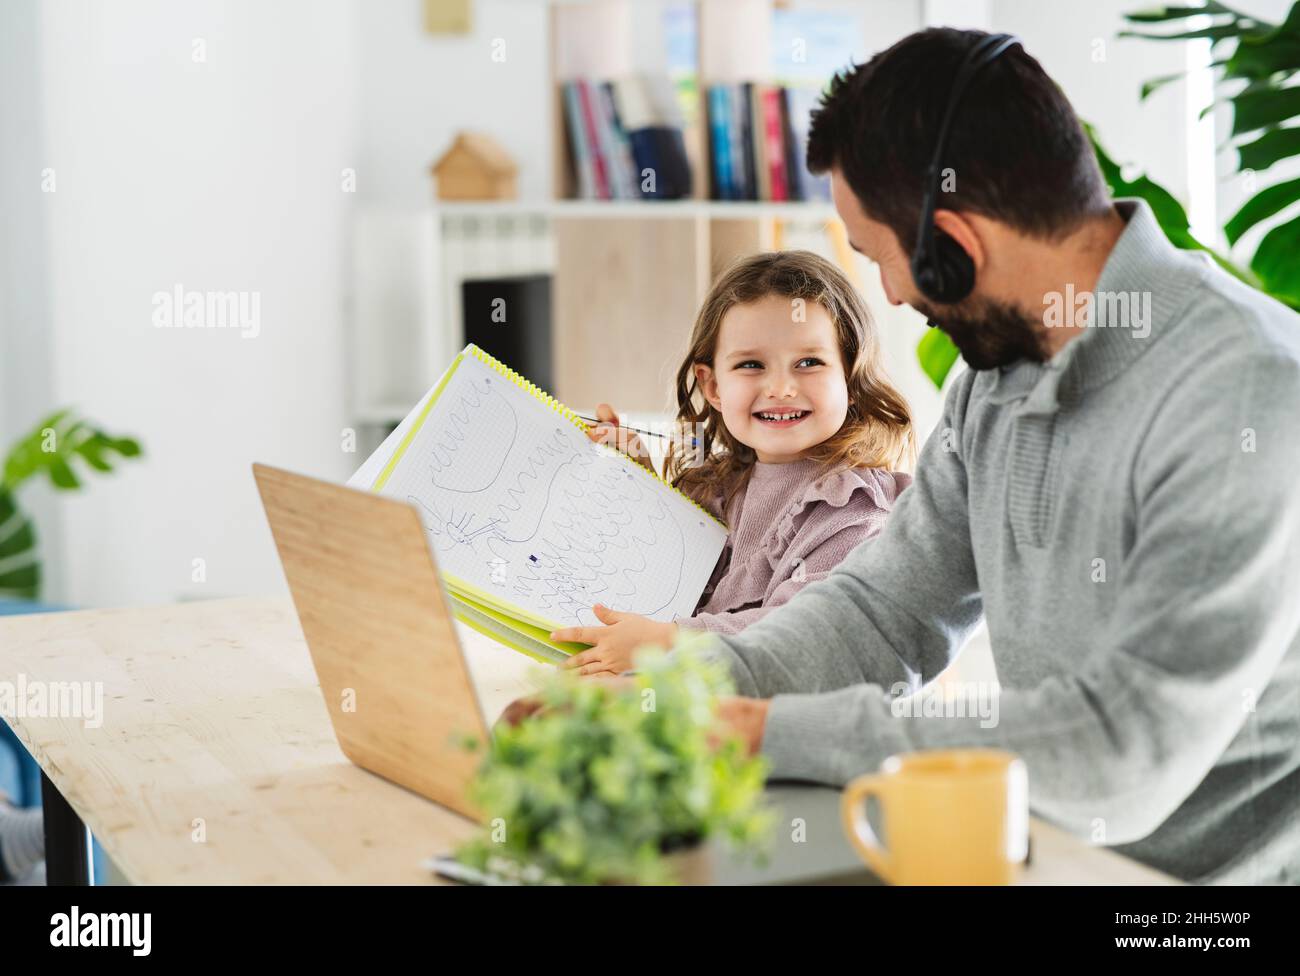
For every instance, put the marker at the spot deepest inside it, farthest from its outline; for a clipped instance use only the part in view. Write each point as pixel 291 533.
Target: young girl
pixel 799 431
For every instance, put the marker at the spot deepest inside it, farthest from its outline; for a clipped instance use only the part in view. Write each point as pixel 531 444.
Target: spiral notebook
pixel 529 520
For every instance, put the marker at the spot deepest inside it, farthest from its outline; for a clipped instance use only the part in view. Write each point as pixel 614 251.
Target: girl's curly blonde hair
pixel 876 433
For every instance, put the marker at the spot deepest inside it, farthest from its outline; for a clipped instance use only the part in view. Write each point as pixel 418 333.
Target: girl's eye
pixel 812 360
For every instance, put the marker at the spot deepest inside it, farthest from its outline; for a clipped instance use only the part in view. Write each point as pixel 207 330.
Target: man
pixel 1114 486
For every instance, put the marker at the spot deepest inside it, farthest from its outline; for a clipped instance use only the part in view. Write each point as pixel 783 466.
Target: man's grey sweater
pixel 1127 518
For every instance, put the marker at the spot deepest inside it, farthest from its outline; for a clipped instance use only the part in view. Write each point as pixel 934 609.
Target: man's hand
pixel 520 709
pixel 743 717
pixel 747 718
pixel 524 708
pixel 613 644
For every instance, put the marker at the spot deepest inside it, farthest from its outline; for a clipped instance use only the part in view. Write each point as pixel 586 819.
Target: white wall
pixel 224 175
pixel 417 90
pixel 25 348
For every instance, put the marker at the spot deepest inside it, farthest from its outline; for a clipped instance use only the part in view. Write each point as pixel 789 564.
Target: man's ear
pixel 963 232
pixel 708 384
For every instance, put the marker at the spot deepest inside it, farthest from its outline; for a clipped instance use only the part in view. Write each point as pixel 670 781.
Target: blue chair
pixel 20 774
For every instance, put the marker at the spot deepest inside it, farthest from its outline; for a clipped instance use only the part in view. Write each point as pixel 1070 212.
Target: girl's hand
pixel 621 439
pixel 613 644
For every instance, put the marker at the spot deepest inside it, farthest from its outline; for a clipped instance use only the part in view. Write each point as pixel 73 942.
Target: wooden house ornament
pixel 476 167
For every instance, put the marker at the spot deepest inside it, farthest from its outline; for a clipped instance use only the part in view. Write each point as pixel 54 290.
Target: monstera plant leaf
pixel 20 570
pixel 937 355
pixel 56 447
pixel 1258 61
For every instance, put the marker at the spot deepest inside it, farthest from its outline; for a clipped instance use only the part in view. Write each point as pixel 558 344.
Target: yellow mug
pixel 951 817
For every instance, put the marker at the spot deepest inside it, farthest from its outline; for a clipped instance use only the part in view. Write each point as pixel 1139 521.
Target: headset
pixel 942 269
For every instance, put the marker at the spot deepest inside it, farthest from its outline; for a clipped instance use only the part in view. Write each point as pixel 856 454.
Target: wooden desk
pixel 216 763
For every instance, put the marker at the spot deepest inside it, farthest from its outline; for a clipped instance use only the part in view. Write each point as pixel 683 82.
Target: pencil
pixel 651 433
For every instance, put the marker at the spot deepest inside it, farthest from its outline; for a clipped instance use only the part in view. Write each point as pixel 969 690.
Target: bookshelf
pixel 630 275
pixel 627 275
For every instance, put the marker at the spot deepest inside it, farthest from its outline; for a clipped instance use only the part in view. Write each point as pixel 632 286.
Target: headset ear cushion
pixel 954 276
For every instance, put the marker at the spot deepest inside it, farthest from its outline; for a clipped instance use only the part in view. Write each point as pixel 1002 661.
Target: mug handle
pixel 853 810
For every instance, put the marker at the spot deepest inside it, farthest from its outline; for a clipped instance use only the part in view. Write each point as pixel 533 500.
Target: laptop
pixel 381 636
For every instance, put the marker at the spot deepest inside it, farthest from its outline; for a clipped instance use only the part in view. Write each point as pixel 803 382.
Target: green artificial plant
pixel 607 780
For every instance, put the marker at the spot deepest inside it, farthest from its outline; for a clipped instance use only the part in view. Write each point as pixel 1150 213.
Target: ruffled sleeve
pixel 849 496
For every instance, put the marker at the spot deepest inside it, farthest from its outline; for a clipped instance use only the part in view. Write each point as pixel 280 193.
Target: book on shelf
pixel 584 166
pixel 722 182
pixel 738 135
pixel 774 146
pixel 625 139
pixel 758 136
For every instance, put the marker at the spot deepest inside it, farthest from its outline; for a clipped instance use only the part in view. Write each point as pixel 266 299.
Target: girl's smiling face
pixel 767 363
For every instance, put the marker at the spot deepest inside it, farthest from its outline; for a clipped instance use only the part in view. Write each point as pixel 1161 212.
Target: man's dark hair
pixel 1016 147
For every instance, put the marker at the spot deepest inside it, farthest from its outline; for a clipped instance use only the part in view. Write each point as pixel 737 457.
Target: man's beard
pixel 987 333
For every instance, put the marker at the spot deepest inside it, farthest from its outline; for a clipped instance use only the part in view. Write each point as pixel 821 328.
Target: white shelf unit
pixel 645 209
pixel 408 270
pixel 407 275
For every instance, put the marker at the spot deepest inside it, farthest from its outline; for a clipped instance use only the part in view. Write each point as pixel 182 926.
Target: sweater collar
pixel 1156 280
pixel 788 473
